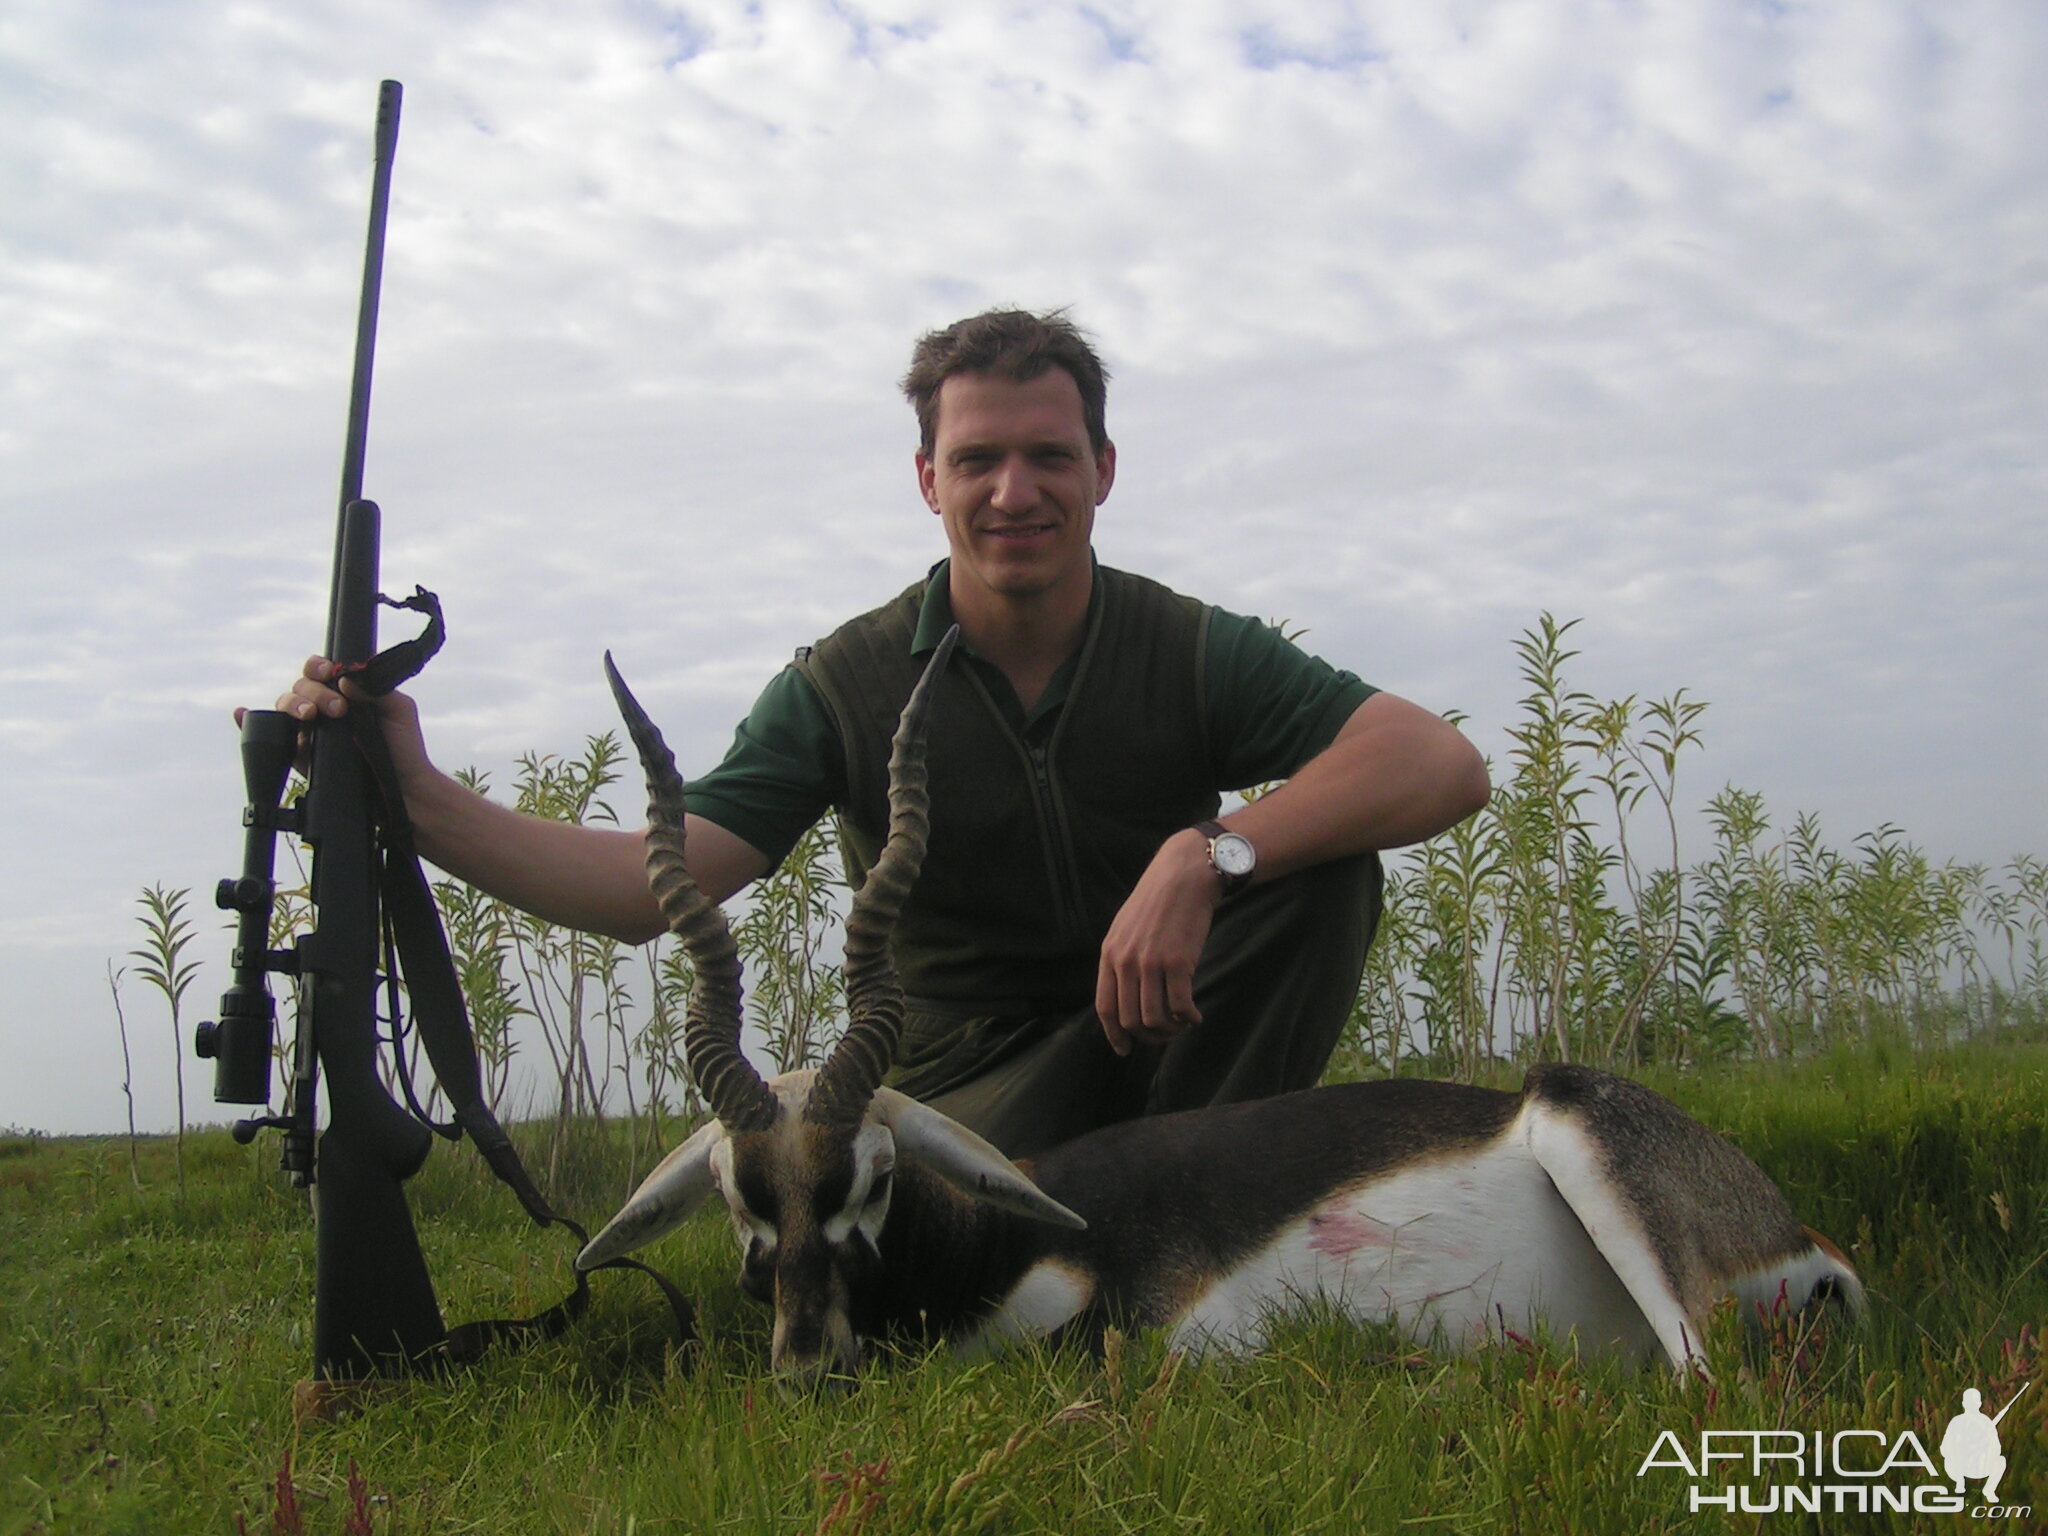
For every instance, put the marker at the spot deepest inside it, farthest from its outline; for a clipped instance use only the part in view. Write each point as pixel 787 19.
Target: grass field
pixel 149 1342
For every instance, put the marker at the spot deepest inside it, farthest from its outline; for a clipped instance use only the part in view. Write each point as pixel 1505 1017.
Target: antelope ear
pixel 964 1160
pixel 678 1185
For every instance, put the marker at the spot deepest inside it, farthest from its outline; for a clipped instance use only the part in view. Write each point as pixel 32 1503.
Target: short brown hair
pixel 1012 344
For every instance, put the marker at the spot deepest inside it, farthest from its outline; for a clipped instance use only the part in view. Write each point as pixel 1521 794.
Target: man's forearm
pixel 1396 774
pixel 591 878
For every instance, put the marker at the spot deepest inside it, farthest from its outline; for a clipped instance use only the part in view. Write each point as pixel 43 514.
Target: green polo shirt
pixel 1270 703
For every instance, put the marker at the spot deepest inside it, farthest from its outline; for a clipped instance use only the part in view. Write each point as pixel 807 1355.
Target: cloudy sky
pixel 1722 326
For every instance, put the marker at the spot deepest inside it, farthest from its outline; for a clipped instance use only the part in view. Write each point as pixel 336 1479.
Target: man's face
pixel 1012 475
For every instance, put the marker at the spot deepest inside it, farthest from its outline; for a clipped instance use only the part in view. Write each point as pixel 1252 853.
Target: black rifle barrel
pixel 390 96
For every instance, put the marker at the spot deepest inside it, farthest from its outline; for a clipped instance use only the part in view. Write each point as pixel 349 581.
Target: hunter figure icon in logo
pixel 1969 1448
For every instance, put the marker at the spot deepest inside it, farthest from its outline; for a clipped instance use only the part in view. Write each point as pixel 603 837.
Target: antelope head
pixel 807 1162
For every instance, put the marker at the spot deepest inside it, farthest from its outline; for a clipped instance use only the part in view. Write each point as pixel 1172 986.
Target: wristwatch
pixel 1231 855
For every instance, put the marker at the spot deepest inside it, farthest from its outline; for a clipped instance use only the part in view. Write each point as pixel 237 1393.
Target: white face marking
pixel 750 1228
pixel 746 1225
pixel 868 1197
pixel 874 1184
pixel 1451 1250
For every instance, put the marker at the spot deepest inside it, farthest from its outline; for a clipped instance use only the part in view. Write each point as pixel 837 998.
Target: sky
pixel 1721 327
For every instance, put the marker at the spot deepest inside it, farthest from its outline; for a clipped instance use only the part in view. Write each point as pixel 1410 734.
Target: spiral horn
pixel 711 1022
pixel 874 1000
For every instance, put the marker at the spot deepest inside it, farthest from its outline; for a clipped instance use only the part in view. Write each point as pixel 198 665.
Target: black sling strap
pixel 439 1011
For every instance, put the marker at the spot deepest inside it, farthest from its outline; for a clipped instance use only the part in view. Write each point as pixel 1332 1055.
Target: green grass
pixel 149 1344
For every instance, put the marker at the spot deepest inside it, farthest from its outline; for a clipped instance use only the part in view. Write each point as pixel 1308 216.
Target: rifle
pixel 374 1310
pixel 2008 1407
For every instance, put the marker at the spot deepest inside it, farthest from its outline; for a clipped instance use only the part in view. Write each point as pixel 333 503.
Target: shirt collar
pixel 935 617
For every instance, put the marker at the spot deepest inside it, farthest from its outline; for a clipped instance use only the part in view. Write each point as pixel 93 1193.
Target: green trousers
pixel 1275 986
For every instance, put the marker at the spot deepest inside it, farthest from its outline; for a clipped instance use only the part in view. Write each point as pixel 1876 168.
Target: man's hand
pixel 315 692
pixel 592 878
pixel 1144 988
pixel 1393 775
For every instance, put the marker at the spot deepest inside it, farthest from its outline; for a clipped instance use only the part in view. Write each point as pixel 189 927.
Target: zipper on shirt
pixel 1061 871
pixel 1064 867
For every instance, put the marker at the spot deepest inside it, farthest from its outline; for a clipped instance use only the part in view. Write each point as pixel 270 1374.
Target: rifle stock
pixel 374 1310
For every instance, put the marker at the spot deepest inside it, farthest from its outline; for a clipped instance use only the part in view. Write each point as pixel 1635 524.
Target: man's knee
pixel 1332 906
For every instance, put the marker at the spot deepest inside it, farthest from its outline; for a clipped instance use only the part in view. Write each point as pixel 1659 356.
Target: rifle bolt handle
pixel 245 1131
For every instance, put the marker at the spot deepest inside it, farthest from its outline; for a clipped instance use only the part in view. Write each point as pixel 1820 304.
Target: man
pixel 1087 942
pixel 1970 1448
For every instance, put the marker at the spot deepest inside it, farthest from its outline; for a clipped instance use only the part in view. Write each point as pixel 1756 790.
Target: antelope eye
pixel 879 1190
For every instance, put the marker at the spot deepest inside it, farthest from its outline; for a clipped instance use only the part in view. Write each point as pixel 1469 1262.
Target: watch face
pixel 1232 854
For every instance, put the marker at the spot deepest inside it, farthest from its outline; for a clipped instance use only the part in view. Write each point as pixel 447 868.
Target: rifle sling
pixel 440 1012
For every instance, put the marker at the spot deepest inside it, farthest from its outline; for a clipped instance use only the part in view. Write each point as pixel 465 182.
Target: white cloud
pixel 1721 325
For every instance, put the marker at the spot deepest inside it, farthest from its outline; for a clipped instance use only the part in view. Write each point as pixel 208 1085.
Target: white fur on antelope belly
pixel 1451 1249
pixel 1050 1295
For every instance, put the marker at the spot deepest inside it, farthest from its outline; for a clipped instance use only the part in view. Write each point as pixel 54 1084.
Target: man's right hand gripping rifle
pixel 590 878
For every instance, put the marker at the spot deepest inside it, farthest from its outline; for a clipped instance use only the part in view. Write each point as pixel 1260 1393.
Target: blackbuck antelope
pixel 1583 1205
